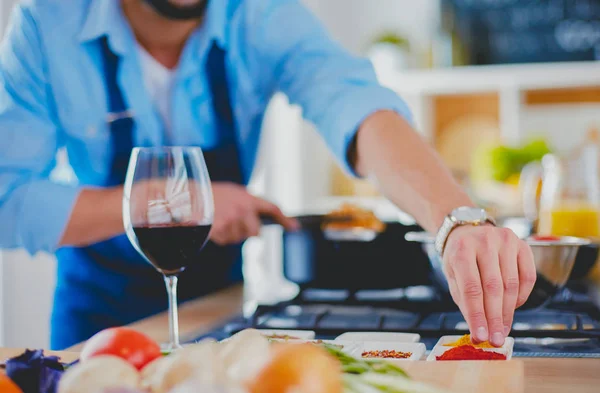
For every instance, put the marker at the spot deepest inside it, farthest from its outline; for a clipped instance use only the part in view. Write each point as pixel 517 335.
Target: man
pixel 99 76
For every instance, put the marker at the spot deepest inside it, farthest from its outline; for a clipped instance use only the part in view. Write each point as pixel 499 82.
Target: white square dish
pixel 292 334
pixel 417 350
pixel 380 337
pixel 352 348
pixel 440 348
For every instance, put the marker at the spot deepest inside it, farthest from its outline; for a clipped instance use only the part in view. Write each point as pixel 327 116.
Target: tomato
pixel 8 386
pixel 302 368
pixel 135 347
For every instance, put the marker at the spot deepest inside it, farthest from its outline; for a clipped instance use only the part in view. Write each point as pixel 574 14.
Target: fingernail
pixel 481 334
pixel 497 339
pixel 506 330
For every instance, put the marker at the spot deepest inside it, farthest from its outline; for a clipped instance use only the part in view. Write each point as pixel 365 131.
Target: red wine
pixel 172 248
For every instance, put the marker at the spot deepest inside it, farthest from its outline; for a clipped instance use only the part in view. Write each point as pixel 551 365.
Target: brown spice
pixel 387 354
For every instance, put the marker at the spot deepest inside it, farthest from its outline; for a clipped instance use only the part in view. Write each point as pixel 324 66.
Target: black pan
pixel 312 260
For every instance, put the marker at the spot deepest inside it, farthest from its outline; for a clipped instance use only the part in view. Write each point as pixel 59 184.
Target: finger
pixel 463 263
pixel 452 285
pixel 493 293
pixel 527 273
pixel 251 225
pixel 510 278
pixel 267 208
pixel 455 293
pixel 218 237
pixel 236 232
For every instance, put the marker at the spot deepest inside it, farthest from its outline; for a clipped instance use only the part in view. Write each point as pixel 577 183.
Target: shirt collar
pixel 216 21
pixel 105 18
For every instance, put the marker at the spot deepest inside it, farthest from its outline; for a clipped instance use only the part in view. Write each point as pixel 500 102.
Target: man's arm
pixel 36 213
pixel 490 272
pixel 390 153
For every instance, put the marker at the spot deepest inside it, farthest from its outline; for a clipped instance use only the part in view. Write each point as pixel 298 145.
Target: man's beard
pixel 171 11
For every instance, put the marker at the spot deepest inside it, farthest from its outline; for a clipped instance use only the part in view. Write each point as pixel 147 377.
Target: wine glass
pixel 168 211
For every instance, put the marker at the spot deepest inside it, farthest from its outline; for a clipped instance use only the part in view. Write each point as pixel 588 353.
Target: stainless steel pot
pixel 554 260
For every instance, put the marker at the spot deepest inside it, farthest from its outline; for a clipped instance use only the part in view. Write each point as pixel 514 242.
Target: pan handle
pixel 420 237
pixel 267 221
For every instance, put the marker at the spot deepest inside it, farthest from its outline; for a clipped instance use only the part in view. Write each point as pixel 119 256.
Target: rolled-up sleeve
pixel 33 210
pixel 336 90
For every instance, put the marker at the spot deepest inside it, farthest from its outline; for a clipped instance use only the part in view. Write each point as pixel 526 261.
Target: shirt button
pixel 91 131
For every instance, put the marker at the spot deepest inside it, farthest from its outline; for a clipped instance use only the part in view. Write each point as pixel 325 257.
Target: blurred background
pixel 494 85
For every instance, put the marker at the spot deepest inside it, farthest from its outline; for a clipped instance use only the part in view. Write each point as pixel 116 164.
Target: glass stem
pixel 171 283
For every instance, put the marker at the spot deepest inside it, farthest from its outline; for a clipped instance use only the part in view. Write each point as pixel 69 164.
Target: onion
pixel 244 355
pixel 197 361
pixel 99 374
pixel 302 368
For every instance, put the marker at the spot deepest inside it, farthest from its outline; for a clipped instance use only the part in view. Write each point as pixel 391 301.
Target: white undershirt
pixel 159 81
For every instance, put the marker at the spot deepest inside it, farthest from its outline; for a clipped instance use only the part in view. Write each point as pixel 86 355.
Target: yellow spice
pixel 466 340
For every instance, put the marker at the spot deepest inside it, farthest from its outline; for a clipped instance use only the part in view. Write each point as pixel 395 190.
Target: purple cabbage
pixel 35 373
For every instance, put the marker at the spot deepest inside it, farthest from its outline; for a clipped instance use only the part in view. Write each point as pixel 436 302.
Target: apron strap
pixel 122 124
pixel 119 118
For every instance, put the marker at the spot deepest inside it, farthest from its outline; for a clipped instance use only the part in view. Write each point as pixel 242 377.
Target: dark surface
pixel 172 248
pixel 586 259
pixel 312 260
pixel 527 31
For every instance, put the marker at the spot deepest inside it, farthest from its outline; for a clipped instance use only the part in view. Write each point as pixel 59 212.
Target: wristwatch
pixel 459 217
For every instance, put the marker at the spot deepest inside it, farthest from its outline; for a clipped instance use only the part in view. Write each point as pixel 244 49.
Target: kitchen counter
pixel 196 317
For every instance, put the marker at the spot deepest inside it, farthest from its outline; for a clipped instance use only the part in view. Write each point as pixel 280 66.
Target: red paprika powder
pixel 468 352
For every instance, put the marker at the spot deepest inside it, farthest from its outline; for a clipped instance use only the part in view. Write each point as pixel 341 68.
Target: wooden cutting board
pixel 471 377
pixel 457 377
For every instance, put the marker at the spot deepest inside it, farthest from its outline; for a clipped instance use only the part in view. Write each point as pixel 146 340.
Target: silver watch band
pixel 450 223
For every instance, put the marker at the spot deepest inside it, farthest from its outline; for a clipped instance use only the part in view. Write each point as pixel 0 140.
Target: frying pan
pixel 312 258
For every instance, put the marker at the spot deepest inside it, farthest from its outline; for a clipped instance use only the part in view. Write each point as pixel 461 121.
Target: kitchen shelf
pixel 474 79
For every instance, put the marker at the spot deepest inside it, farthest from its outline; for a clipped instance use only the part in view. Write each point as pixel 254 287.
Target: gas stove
pixel 567 326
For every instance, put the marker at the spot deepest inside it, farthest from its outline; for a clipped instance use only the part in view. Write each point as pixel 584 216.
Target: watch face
pixel 469 214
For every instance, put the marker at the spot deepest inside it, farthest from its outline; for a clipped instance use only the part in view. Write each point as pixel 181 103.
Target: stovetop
pixel 568 326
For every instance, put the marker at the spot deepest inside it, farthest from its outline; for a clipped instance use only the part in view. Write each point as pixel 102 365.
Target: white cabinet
pixel 26 289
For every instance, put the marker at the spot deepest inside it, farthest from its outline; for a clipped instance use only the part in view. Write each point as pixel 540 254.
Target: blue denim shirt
pixel 52 95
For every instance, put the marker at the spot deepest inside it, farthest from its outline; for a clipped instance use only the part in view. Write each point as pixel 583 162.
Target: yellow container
pixel 579 220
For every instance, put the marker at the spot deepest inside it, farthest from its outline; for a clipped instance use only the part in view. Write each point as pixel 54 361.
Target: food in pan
pixel 350 216
pixel 387 354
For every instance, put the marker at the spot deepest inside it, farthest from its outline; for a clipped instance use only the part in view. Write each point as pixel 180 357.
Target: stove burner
pixel 567 327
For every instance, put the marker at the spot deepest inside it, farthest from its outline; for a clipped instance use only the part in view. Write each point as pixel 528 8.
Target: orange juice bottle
pixel 571 219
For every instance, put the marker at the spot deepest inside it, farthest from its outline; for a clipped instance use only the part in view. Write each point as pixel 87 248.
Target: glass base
pixel 167 348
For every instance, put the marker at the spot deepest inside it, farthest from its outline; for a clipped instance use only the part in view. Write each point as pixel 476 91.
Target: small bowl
pixel 380 337
pixel 417 350
pixel 554 258
pixel 440 348
pixel 351 348
pixel 292 334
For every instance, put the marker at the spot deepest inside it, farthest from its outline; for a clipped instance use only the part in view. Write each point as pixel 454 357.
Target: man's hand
pixel 237 214
pixel 490 272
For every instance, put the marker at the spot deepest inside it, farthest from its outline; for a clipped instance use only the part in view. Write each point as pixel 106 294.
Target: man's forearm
pixel 407 170
pixel 96 216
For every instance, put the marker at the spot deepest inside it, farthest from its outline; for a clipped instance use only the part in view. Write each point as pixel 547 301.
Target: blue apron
pixel 109 284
